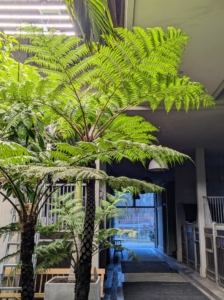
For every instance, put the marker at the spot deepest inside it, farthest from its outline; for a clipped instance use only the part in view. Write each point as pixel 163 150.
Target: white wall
pixel 5 210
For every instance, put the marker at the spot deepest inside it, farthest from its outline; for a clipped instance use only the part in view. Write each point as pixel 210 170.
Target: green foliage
pixel 6 45
pixel 22 124
pixel 87 96
pixel 71 216
pixel 108 151
pixel 9 256
pixel 21 119
pixel 52 254
pixel 12 227
pixel 12 153
pixel 95 90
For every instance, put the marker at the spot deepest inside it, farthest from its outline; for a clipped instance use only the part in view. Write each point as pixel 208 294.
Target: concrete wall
pixel 215 181
pixel 5 210
pixel 185 187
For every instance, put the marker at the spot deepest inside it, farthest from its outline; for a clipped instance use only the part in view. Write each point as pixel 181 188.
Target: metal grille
pixel 49 218
pixel 190 246
pixel 197 246
pixel 209 248
pixel 216 207
pixel 184 244
pixel 220 256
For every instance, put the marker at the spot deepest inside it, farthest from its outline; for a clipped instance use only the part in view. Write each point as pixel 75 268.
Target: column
pixel 129 14
pixel 201 192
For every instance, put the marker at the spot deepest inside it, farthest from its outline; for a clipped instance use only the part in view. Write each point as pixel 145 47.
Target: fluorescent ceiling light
pixel 37 17
pixel 17 32
pixel 58 25
pixel 28 7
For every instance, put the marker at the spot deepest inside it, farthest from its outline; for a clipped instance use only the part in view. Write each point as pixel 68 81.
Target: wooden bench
pixel 40 280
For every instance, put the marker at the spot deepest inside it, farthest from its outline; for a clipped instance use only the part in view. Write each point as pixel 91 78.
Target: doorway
pixel 141 219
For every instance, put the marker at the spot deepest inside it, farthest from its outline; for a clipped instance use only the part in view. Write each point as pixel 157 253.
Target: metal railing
pixel 216 207
pixel 47 217
pixel 190 245
pixel 214 238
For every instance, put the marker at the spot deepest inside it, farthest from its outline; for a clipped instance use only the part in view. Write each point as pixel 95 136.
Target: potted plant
pixel 60 288
pixel 71 216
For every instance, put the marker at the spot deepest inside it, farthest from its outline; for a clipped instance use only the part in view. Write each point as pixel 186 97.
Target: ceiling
pixel 45 13
pixel 203 21
pixel 203 61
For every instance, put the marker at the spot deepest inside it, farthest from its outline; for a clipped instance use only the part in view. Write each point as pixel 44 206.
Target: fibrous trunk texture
pixel 83 268
pixel 27 249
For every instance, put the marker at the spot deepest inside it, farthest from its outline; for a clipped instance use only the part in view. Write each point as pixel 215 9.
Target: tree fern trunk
pixel 27 249
pixel 83 268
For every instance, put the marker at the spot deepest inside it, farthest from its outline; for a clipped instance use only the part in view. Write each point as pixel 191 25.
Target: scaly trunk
pixel 83 269
pixel 27 249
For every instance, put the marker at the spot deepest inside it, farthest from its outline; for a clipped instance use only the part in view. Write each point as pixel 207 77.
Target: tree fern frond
pixel 12 227
pixel 11 149
pixel 179 92
pixel 9 256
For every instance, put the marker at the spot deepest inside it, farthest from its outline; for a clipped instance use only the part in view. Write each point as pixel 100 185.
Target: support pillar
pixel 201 192
pixel 129 14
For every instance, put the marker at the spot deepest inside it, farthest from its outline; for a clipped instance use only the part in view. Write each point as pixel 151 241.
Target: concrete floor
pixel 145 251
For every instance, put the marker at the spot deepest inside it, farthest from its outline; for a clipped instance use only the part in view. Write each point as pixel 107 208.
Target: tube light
pixel 17 32
pixel 58 25
pixel 29 7
pixel 37 17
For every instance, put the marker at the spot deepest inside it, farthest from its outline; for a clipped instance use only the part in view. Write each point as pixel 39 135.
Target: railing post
pixel 215 251
pixel 186 238
pixel 195 250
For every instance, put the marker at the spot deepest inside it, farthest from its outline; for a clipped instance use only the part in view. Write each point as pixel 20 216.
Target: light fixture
pixel 16 25
pixel 35 17
pixel 30 7
pixel 17 32
pixel 157 167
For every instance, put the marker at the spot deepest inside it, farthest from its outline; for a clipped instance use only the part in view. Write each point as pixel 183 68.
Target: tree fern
pixel 91 93
pixel 140 66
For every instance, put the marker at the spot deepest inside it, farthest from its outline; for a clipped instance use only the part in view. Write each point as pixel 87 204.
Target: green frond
pixel 12 150
pixel 139 66
pixel 52 254
pixel 71 150
pixel 123 182
pixel 12 227
pixel 9 256
pixel 178 93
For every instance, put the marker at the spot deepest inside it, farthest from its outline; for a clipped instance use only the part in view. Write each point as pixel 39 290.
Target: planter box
pixel 64 290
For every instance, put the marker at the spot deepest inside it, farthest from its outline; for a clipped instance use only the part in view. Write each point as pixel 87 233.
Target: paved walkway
pixel 146 252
